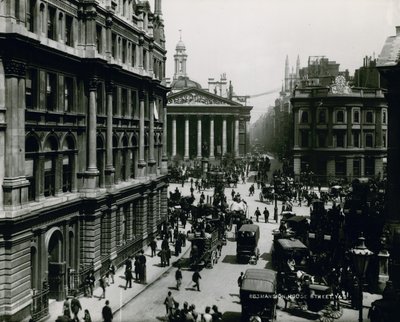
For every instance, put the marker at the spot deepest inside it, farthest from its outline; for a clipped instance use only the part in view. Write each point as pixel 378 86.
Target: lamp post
pixel 276 202
pixel 360 256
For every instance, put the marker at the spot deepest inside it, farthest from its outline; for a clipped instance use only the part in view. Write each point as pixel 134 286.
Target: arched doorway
pixel 56 264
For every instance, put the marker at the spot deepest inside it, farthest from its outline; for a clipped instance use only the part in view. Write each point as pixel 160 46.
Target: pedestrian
pixel 153 246
pixel 137 268
pixel 266 215
pixel 178 246
pixel 257 213
pixel 111 272
pixel 207 317
pixel 178 277
pixel 167 255
pixel 169 303
pixel 195 314
pixel 142 261
pixel 128 263
pixel 75 306
pixel 240 280
pixel 107 313
pixel 233 194
pixel 66 308
pixel 216 315
pixel 103 285
pixel 89 282
pixel 196 279
pixel 87 317
pixel 128 278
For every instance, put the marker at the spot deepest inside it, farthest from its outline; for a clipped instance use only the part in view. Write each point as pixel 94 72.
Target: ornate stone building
pixel 82 115
pixel 205 123
pixel 339 131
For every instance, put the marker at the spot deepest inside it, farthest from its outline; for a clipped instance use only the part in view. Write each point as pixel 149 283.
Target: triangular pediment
pixel 198 97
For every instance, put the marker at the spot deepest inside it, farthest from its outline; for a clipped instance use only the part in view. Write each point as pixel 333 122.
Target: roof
pixel 259 280
pixel 291 243
pixel 184 82
pixel 389 55
pixel 249 227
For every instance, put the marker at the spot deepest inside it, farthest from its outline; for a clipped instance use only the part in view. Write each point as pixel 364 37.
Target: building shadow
pixel 229 316
pixel 230 259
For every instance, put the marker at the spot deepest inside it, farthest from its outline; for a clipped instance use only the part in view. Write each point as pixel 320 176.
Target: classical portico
pixel 205 125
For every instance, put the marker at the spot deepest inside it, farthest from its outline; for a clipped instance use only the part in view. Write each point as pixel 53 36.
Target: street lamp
pixel 360 256
pixel 276 202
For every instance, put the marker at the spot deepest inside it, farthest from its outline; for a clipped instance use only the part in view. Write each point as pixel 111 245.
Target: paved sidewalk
pixel 116 293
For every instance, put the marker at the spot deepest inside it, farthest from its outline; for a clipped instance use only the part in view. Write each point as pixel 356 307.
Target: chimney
pixel 397 30
pixel 157 8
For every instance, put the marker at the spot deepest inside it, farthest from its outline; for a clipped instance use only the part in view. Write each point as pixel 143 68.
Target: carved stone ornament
pixel 110 86
pixel 195 99
pixel 93 82
pixel 14 68
pixel 109 21
pixel 340 86
pixel 90 14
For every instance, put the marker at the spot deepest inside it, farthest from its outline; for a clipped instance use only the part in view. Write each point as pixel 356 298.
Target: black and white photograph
pixel 199 160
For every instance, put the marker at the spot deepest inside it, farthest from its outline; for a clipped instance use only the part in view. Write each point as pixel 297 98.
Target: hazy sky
pixel 249 39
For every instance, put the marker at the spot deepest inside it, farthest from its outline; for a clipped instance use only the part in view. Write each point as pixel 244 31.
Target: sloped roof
pixel 390 53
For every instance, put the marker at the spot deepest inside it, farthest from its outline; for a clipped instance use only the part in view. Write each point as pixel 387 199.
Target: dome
pixel 184 82
pixel 180 45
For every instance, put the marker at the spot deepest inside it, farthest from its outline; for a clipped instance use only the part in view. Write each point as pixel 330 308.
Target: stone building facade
pixel 339 132
pixel 83 162
pixel 205 123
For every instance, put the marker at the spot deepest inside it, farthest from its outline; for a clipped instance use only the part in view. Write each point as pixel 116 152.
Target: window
pixel 322 116
pixel 124 51
pixel 31 158
pixel 369 140
pixel 369 117
pixel 69 39
pixel 356 167
pixel 369 166
pixel 42 18
pixel 30 15
pixel 68 94
pixel 51 22
pixel 321 139
pixel 100 99
pixel 384 140
pixel 339 116
pixel 133 58
pixel 115 103
pixel 384 117
pixel 340 140
pixel 356 139
pixel 114 45
pixel 123 101
pixel 304 139
pixel 144 59
pixel 31 88
pixel 51 86
pixel 340 167
pixel 304 117
pixel 356 117
pixel 134 103
pixel 98 39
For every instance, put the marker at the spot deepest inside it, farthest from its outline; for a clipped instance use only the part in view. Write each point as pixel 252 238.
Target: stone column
pixel 91 170
pixel 142 162
pixel 199 137
pixel 164 162
pixel 296 128
pixel 236 150
pixel 108 45
pixel 297 167
pixel 109 169
pixel 151 161
pixel 186 157
pixel 212 157
pixel 173 135
pixel 330 168
pixel 224 144
pixel 74 186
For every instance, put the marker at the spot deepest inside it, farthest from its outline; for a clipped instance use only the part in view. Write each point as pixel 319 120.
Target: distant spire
pixel 287 73
pixel 180 34
pixel 157 8
pixel 298 67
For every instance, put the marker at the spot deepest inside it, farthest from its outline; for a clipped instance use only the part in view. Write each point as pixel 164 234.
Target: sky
pixel 249 39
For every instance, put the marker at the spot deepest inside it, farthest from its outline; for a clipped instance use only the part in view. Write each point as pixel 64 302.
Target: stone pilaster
pixel 90 241
pixel 151 219
pixel 164 162
pixel 164 204
pixel 224 142
pixel 142 162
pixel 199 137
pixel 173 135
pixel 151 161
pixel 212 157
pixel 297 167
pixel 142 217
pixel 349 167
pixel 236 149
pixel 186 157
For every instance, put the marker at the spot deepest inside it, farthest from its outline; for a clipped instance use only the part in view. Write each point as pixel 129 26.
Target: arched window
pixel 31 164
pixel 30 15
pixel 369 117
pixel 304 117
pixel 340 116
pixel 50 160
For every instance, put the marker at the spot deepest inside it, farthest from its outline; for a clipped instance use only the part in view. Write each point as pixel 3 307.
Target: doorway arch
pixel 56 263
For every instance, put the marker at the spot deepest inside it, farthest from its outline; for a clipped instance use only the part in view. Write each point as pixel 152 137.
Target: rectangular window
pixel 356 168
pixel 31 88
pixel 68 94
pixel 133 58
pixel 124 51
pixel 29 174
pixel 51 22
pixel 69 39
pixel 369 140
pixel 369 166
pixel 304 139
pixel 356 139
pixel 100 99
pixel 340 167
pixel 356 117
pixel 30 15
pixel 67 174
pixel 321 140
pixel 123 101
pixel 134 103
pixel 51 90
pixel 340 140
pixel 49 177
pixel 98 39
pixel 114 45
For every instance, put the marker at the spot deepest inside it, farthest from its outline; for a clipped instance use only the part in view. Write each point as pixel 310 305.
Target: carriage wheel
pixel 336 313
pixel 325 318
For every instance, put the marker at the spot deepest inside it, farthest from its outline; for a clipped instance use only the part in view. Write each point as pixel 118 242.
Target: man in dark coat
pixel 128 277
pixel 107 313
pixel 153 246
pixel 196 279
pixel 75 306
pixel 142 261
pixel 266 215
